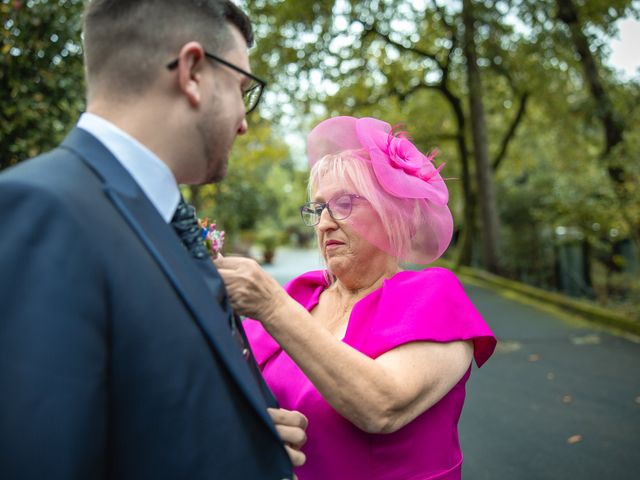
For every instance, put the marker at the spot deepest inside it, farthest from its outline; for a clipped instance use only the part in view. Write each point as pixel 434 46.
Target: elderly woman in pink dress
pixel 376 357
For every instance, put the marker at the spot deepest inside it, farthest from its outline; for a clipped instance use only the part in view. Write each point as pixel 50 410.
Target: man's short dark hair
pixel 127 42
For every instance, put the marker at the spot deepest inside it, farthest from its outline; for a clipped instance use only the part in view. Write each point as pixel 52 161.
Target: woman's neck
pixel 356 283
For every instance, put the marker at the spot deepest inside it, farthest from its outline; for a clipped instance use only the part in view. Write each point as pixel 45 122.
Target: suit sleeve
pixel 53 340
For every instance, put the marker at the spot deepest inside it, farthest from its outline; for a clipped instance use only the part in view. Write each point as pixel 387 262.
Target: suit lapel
pixel 175 262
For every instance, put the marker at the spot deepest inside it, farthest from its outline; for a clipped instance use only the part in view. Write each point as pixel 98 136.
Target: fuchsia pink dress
pixel 428 305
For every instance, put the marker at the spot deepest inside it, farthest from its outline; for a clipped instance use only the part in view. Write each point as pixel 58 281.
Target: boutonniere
pixel 212 238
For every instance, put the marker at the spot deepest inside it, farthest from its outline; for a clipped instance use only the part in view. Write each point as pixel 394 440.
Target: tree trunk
pixel 195 199
pixel 612 123
pixel 486 192
pixel 465 240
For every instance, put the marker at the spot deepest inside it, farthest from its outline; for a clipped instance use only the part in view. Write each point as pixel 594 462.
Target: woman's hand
pixel 252 291
pixel 291 426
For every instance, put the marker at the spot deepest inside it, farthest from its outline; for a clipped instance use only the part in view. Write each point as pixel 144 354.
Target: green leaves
pixel 41 75
pixel 262 190
pixel 401 61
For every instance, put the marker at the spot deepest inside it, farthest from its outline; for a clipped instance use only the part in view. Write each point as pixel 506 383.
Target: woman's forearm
pixel 364 391
pixel 378 395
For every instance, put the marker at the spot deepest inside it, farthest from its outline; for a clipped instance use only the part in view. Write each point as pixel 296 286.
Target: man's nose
pixel 242 129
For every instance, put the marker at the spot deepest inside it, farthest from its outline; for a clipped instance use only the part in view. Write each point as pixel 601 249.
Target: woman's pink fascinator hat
pixel 402 172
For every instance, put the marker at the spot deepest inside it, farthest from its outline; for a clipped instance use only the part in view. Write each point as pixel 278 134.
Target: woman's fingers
pixel 297 457
pixel 291 426
pixel 251 290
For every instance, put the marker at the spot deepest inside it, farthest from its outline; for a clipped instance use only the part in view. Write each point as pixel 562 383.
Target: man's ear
pixel 190 63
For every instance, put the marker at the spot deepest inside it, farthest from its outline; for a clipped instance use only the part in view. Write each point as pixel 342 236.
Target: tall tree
pixel 484 173
pixel 613 124
pixel 394 59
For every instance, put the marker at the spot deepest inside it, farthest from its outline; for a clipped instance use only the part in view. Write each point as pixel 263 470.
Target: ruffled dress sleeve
pixel 306 290
pixel 428 305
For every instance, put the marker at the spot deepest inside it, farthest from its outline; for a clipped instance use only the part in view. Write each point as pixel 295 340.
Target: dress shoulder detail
pixel 425 305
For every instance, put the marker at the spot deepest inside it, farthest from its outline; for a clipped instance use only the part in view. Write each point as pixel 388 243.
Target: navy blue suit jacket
pixel 116 359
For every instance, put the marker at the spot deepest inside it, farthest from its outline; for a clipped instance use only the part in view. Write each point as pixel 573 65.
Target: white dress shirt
pixel 152 175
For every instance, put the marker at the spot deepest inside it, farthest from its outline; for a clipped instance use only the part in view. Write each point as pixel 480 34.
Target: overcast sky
pixel 625 50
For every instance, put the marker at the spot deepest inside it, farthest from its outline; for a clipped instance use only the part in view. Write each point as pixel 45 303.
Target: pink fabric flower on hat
pixel 399 166
pixel 403 154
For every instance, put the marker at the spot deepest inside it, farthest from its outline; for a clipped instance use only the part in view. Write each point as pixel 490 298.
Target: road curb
pixel 588 311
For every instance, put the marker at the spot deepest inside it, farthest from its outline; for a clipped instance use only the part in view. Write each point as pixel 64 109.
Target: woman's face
pixel 341 242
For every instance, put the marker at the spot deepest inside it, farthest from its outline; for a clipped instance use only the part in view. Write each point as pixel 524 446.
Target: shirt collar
pixel 152 175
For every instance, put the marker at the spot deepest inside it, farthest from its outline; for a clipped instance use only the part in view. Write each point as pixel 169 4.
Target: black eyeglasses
pixel 251 94
pixel 339 208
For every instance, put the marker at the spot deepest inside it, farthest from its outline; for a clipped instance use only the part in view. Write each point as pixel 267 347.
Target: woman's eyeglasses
pixel 339 207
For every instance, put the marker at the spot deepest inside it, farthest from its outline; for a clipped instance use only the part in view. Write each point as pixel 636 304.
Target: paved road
pixel 290 263
pixel 559 400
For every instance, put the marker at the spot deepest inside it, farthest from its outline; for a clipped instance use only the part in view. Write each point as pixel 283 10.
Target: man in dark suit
pixel 117 356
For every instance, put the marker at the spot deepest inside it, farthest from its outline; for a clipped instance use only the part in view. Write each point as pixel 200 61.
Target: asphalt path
pixel 559 400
